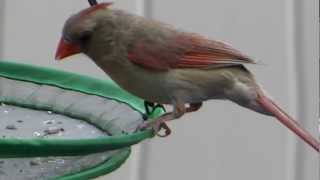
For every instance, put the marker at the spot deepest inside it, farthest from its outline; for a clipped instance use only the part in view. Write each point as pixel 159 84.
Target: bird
pixel 162 64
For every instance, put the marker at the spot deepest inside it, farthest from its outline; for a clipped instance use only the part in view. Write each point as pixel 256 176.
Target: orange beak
pixel 66 49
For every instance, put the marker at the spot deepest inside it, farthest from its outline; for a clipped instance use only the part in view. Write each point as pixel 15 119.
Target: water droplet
pixel 11 127
pixel 56 161
pixel 60 133
pixel 103 157
pixel 53 130
pixel 59 161
pixel 6 112
pixel 49 122
pixel 80 126
pixel 49 112
pixel 37 134
pixel 35 162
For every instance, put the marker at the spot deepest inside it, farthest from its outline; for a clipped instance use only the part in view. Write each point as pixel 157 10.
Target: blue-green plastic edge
pixel 84 84
pixel 71 81
pixel 106 167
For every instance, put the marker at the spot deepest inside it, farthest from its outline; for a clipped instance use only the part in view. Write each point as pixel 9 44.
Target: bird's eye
pixel 85 37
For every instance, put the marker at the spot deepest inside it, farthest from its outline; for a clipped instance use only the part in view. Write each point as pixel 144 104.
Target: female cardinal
pixel 161 64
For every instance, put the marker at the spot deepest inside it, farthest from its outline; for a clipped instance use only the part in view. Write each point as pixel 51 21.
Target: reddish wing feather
pixel 185 51
pixel 149 57
pixel 203 53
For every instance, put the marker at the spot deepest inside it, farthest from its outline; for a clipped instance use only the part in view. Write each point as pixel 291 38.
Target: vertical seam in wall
pixel 291 55
pixel 318 65
pixel 145 147
pixel 148 9
pixel 2 19
pixel 135 165
pixel 306 18
pixel 306 15
pixel 140 153
pixel 140 7
pixel 144 163
pixel 303 49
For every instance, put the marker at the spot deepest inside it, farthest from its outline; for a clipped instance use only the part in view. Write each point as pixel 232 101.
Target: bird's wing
pixel 185 50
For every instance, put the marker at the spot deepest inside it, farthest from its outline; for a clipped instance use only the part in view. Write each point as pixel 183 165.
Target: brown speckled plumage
pixel 160 64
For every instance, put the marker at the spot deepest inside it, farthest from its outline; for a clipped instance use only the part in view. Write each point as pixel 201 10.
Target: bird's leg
pixel 178 110
pixel 192 108
pixel 148 112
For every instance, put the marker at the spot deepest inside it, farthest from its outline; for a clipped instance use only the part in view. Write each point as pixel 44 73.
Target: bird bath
pixel 56 124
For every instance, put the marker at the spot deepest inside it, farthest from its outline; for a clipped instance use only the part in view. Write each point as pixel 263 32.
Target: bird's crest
pixel 94 8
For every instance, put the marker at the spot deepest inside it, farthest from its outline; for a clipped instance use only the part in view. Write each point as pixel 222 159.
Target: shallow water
pixel 26 123
pixel 23 123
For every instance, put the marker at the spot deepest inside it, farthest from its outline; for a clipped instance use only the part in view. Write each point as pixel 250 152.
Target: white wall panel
pixel 307 26
pixel 1 27
pixel 224 141
pixel 32 30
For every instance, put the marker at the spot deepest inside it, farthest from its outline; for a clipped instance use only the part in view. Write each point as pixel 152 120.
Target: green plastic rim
pixel 57 147
pixel 105 168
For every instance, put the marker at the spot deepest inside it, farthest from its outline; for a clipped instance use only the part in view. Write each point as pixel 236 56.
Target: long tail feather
pixel 286 120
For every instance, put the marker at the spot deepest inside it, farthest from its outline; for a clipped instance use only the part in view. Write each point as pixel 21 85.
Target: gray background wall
pixel 221 141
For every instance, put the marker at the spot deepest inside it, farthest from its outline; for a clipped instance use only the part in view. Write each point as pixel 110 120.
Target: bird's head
pixel 80 31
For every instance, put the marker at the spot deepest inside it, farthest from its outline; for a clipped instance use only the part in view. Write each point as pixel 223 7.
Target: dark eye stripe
pixel 85 37
pixel 67 38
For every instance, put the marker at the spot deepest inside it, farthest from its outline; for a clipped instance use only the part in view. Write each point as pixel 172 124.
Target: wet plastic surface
pixel 18 122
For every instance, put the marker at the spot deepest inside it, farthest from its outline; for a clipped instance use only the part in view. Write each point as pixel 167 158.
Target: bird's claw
pixel 157 126
pixel 162 125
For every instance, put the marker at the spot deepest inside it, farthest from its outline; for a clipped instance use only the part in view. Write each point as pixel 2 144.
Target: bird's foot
pixel 157 126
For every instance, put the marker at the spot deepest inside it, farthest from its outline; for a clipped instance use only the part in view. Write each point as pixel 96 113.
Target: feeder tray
pixel 57 124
